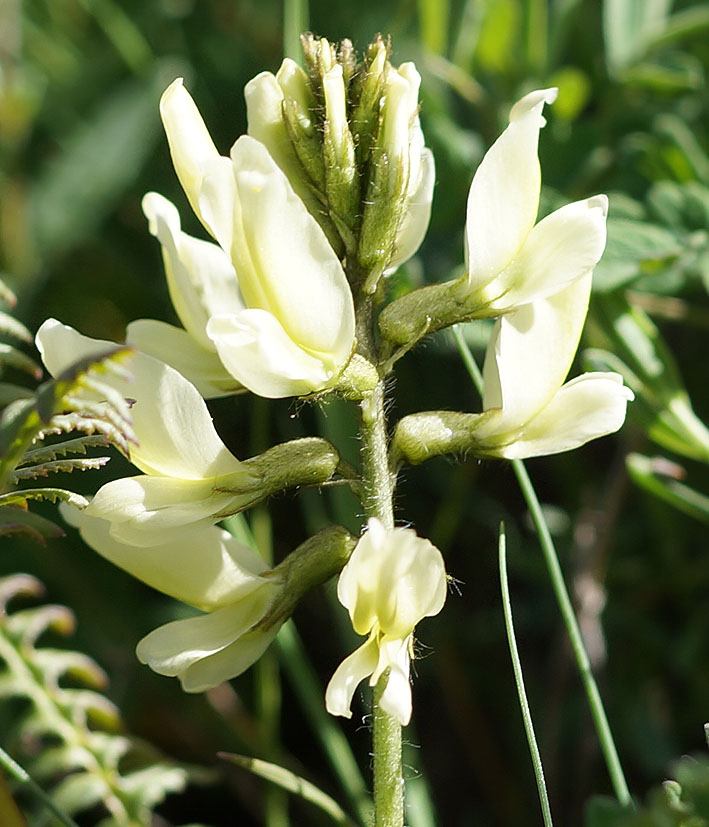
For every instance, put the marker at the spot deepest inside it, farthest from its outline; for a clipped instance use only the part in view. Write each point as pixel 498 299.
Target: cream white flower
pixel 392 581
pixel 287 329
pixel 189 476
pixel 529 411
pixel 510 260
pixel 207 568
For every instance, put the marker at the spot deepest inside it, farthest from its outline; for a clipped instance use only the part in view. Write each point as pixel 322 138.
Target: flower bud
pixel 401 176
pixel 298 108
pixel 341 175
pixel 365 117
pixel 347 135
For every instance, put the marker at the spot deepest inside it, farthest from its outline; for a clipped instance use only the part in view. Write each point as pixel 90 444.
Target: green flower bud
pixel 347 135
pixel 368 92
pixel 401 176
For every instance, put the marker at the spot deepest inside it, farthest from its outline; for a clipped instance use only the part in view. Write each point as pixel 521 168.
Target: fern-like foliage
pixel 79 399
pixel 681 802
pixel 71 735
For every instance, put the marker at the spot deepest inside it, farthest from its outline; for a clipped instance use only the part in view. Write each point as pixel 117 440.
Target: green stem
pixel 388 765
pixel 598 713
pixel 551 558
pixel 378 499
pixel 519 681
pixel 295 22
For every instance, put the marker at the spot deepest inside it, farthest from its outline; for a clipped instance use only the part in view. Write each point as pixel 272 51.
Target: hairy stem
pixel 378 493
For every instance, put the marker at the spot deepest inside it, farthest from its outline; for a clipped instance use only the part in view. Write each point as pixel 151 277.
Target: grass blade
pixel 598 713
pixel 519 681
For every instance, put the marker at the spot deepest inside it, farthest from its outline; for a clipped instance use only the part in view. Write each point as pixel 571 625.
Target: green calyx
pixel 312 563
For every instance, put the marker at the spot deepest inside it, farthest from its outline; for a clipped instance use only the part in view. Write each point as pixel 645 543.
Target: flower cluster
pixel 328 193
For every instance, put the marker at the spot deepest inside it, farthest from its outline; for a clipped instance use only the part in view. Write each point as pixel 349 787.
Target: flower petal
pixel 348 675
pixel 588 407
pixel 177 348
pixel 200 276
pixel 561 248
pixel 147 511
pixel 170 419
pixel 194 156
pixel 257 351
pixel 529 355
pixel 205 567
pixel 234 659
pixel 504 195
pixel 396 698
pixel 284 261
pixel 393 579
pixel 174 647
pixel 414 223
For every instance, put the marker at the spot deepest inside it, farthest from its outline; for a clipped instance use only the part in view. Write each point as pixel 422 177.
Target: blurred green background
pixel 81 142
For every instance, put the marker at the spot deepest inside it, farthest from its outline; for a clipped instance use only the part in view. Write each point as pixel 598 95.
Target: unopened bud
pixel 298 109
pixel 342 180
pixel 366 115
pixel 296 90
pixel 396 172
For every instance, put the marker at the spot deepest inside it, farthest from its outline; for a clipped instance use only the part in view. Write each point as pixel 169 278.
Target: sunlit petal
pixel 284 261
pixel 504 195
pixel 530 353
pixel 561 248
pixel 170 419
pixel 258 352
pixel 174 647
pixel 348 675
pixel 205 566
pixel 174 346
pixel 200 276
pixel 588 407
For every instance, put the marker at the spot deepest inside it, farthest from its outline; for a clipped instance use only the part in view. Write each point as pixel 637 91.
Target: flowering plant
pixel 293 293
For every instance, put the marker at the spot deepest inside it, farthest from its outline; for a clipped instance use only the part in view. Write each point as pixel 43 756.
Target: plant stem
pixel 388 767
pixel 378 488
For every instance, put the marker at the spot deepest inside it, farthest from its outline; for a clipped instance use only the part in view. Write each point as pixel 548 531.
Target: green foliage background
pixel 81 142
